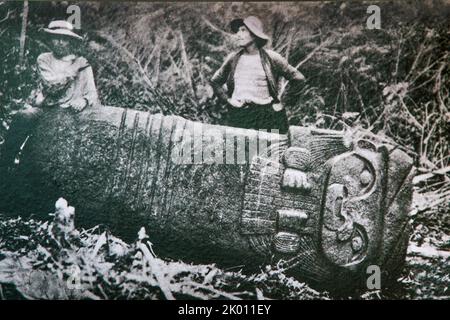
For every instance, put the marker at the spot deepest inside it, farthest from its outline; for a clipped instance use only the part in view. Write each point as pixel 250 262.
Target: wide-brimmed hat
pixel 63 28
pixel 253 24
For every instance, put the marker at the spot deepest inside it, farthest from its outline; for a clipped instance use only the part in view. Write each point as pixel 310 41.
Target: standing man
pixel 65 81
pixel 252 76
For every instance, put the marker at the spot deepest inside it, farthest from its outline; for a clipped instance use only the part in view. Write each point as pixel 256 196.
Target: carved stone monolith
pixel 324 205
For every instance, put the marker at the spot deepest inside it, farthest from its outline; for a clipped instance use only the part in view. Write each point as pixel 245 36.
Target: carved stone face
pixel 351 208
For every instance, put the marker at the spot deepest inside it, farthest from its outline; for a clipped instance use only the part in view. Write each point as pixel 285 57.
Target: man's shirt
pixel 63 80
pixel 250 81
pixel 274 65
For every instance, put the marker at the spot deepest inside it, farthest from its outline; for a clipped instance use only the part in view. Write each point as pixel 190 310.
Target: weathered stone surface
pixel 298 179
pixel 292 220
pixel 286 242
pixel 298 158
pixel 123 168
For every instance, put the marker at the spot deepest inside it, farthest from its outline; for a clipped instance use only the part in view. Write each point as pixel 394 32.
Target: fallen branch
pixel 309 56
pixel 426 176
pixel 427 251
pixel 209 24
pixel 162 282
pixel 7 16
pixel 130 55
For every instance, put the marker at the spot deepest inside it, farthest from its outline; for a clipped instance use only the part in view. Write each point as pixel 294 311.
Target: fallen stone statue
pixel 323 205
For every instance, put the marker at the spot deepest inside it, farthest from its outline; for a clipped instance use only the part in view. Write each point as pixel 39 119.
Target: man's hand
pixel 79 104
pixel 235 103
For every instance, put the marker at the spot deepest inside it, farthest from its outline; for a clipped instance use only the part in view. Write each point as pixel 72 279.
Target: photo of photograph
pixel 225 151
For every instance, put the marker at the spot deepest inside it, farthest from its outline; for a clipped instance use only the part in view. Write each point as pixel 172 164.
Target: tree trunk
pixel 23 32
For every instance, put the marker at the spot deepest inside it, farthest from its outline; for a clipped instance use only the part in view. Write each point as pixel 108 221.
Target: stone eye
pixel 357 243
pixel 365 177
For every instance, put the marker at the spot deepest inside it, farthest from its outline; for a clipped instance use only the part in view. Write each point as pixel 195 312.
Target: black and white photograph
pixel 225 151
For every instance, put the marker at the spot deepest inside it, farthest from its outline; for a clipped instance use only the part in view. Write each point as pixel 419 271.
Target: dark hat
pixel 252 23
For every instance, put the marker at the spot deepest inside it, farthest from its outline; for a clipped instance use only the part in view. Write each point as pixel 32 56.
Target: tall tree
pixel 23 33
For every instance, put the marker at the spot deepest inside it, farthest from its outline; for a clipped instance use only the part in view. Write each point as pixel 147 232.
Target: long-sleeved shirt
pixel 64 80
pixel 250 83
pixel 274 65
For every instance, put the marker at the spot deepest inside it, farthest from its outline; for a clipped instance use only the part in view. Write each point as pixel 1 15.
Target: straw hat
pixel 253 24
pixel 62 27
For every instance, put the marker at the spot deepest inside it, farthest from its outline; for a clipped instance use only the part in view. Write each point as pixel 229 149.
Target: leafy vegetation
pixel 52 260
pixel 49 261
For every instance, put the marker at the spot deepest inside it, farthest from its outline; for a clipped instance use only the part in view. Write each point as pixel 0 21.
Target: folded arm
pixel 289 72
pixel 89 89
pixel 220 77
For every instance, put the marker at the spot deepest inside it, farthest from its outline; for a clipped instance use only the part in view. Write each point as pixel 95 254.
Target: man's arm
pixel 220 77
pixel 37 97
pixel 88 97
pixel 287 71
pixel 89 88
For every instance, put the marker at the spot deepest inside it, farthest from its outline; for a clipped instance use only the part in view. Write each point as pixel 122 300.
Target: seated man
pixel 252 76
pixel 65 81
